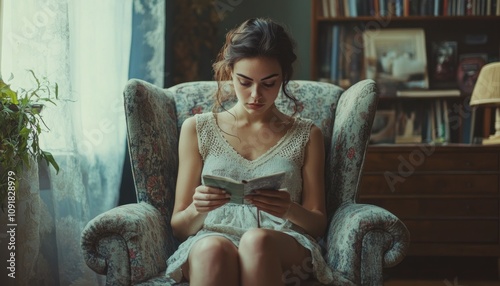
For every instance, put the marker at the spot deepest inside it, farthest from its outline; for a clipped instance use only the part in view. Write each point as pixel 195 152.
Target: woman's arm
pixel 192 201
pixel 311 215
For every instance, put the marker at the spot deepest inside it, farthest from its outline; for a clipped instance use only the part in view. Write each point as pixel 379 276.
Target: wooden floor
pixel 444 271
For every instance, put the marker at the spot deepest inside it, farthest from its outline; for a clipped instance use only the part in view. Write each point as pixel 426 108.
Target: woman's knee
pixel 257 240
pixel 211 260
pixel 213 249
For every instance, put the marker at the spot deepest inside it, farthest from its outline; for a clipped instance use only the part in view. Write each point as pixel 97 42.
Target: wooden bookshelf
pixel 450 206
pixel 472 34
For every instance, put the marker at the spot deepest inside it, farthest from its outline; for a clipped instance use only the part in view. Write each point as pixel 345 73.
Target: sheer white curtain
pixel 84 46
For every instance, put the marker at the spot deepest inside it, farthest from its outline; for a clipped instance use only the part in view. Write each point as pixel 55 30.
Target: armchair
pixel 131 243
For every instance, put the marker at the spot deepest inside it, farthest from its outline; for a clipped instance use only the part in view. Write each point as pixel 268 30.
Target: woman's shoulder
pixel 308 126
pixel 304 122
pixel 194 121
pixel 199 118
pixel 204 115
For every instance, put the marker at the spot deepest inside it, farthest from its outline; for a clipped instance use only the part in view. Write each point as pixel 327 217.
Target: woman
pixel 270 240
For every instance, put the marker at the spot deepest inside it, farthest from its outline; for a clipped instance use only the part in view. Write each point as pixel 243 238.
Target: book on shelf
pixel 428 93
pixel 441 126
pixel 335 53
pixel 404 8
pixel 434 121
pixel 340 55
pixel 239 189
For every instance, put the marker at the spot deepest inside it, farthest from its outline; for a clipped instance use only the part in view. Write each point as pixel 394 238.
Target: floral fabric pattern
pixel 130 244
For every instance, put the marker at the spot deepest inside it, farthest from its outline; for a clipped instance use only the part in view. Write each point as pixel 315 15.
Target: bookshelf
pixel 448 198
pixel 465 30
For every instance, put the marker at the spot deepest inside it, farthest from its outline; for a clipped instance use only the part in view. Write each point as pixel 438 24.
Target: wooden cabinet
pixel 448 196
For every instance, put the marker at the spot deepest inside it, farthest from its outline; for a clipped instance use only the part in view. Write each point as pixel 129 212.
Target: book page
pixel 239 189
pixel 235 188
pixel 270 182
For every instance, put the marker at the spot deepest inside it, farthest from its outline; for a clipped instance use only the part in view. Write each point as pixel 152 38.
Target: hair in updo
pixel 254 38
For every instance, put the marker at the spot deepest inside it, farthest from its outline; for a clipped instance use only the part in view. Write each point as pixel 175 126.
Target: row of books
pixel 438 121
pixel 343 61
pixel 402 8
pixel 341 54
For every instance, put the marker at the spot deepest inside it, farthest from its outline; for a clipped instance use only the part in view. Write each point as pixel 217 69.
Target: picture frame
pixel 443 64
pixel 469 66
pixel 409 121
pixel 396 59
pixel 384 127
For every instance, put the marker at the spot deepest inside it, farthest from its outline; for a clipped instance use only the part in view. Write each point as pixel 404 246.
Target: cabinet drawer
pixel 453 231
pixel 422 160
pixel 430 184
pixel 438 208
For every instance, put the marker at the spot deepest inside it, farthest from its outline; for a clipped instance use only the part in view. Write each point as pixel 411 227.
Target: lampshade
pixel 487 92
pixel 487 87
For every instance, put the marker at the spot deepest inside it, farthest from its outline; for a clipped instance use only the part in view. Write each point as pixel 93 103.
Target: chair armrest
pixel 355 225
pixel 127 243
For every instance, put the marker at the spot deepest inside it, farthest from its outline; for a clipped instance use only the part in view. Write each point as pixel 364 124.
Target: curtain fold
pixel 147 56
pixel 84 46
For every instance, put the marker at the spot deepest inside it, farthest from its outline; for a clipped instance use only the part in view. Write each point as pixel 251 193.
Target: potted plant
pixel 20 126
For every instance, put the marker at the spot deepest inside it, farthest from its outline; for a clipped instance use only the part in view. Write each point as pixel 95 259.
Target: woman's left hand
pixel 274 202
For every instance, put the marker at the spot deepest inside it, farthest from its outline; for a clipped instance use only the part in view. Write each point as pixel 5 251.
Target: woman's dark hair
pixel 254 38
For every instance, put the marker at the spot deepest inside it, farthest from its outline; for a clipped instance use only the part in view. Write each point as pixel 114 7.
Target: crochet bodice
pixel 221 159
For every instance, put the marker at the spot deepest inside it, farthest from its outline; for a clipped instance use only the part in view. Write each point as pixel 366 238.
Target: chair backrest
pixel 317 101
pixel 154 116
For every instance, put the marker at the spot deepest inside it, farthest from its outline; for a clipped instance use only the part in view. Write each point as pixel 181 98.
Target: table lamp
pixel 487 93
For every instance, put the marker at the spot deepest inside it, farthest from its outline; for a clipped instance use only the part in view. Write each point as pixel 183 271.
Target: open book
pixel 239 189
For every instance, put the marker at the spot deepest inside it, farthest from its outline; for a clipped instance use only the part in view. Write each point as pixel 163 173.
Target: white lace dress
pixel 232 220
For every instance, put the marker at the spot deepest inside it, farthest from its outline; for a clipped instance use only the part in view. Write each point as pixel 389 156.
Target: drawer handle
pixel 468 164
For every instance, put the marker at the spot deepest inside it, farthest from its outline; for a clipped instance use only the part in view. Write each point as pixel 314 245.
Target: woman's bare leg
pixel 269 257
pixel 213 260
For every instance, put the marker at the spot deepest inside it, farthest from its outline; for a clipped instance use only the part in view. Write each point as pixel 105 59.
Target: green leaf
pixel 21 125
pixel 6 91
pixel 50 159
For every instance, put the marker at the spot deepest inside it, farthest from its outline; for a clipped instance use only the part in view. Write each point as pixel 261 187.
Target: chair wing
pixel 351 133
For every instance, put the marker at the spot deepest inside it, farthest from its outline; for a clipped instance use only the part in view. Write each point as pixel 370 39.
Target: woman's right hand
pixel 206 199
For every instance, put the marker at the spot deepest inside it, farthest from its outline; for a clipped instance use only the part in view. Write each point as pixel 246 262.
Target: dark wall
pixel 294 14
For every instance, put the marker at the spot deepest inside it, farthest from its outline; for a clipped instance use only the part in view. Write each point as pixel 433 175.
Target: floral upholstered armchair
pixel 131 243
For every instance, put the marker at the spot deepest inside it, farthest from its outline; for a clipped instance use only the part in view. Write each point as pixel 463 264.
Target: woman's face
pixel 257 82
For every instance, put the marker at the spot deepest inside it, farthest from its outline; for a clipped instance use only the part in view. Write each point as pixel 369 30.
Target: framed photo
pixel 396 59
pixel 469 67
pixel 443 65
pixel 409 123
pixel 384 127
